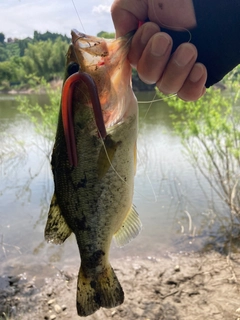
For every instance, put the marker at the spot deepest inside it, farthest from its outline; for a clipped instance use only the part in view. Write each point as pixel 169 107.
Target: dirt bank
pixel 185 287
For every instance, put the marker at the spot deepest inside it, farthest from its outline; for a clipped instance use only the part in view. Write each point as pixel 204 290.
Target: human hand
pixel 150 50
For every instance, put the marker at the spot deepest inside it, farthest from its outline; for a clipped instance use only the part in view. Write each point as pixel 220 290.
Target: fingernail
pixel 196 73
pixel 148 30
pixel 183 56
pixel 160 45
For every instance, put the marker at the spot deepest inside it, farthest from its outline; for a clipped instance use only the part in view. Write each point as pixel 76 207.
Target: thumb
pixel 126 15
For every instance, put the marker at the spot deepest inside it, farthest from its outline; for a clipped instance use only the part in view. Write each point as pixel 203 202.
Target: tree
pixel 106 35
pixel 23 44
pixel 3 53
pixel 2 37
pixel 12 70
pixel 37 36
pixel 46 58
pixel 210 132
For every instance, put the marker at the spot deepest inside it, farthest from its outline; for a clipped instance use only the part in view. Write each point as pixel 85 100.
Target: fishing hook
pixel 67 113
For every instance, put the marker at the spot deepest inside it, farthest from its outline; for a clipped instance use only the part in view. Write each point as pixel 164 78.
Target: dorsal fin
pixel 56 230
pixel 129 229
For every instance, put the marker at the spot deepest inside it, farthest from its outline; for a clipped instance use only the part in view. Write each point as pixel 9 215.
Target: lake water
pixel 178 209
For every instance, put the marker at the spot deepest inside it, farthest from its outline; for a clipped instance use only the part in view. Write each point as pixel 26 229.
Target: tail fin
pixel 102 290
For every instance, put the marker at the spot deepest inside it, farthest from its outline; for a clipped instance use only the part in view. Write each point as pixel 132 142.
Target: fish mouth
pixel 76 35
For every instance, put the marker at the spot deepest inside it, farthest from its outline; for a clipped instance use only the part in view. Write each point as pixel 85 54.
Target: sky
pixel 19 18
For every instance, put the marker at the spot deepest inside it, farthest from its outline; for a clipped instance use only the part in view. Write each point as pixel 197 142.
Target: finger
pixel 194 86
pixel 177 16
pixel 126 15
pixel 153 61
pixel 178 69
pixel 140 40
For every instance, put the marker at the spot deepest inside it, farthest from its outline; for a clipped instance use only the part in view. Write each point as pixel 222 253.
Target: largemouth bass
pixel 94 163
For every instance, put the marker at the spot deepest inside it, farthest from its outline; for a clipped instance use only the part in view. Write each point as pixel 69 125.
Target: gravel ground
pixel 188 287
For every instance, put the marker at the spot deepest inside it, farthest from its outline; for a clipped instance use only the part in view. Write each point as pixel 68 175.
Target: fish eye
pixel 72 68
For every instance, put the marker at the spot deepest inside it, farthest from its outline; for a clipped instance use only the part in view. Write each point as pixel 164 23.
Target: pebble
pixel 68 276
pixel 64 307
pixel 49 291
pixel 51 301
pixel 13 311
pixel 177 299
pixel 14 279
pixel 138 312
pixel 177 268
pixel 52 317
pixel 57 308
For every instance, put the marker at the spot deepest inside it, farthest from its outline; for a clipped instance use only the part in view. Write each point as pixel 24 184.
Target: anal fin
pixel 129 229
pixel 56 230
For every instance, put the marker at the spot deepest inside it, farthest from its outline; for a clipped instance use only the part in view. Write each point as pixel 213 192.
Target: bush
pixel 210 132
pixel 44 118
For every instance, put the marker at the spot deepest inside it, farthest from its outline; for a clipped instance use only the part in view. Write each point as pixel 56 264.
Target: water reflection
pixel 177 207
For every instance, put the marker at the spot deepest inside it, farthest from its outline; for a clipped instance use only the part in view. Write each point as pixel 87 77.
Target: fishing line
pixel 170 96
pixel 157 100
pixel 168 26
pixel 78 15
pixel 152 101
pixel 109 160
pixel 121 178
pixel 150 183
pixel 141 102
pixel 148 109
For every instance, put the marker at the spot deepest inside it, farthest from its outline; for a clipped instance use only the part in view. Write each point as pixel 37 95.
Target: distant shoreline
pixel 54 84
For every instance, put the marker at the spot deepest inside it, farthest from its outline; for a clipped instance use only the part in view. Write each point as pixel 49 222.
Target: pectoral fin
pixel 106 155
pixel 129 230
pixel 56 230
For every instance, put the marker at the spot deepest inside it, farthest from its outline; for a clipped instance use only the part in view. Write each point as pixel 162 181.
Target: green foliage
pixel 12 49
pixel 210 132
pixel 5 86
pixel 2 37
pixel 44 118
pixel 45 58
pixel 106 35
pixel 4 55
pixel 11 71
pixel 23 44
pixel 37 36
pixel 22 60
